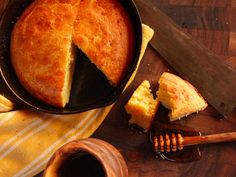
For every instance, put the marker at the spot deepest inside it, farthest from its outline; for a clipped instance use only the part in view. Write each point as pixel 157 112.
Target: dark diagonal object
pixel 215 80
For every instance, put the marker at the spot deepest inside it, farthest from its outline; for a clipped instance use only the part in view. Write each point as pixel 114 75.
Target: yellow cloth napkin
pixel 28 138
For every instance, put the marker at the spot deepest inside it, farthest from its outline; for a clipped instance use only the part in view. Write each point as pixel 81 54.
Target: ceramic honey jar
pixel 87 157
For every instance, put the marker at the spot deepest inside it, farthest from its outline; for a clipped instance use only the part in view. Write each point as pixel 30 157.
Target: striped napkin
pixel 28 138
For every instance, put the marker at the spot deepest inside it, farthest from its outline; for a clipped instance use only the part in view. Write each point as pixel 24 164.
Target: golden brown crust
pixel 72 2
pixel 42 39
pixel 40 46
pixel 179 96
pixel 103 31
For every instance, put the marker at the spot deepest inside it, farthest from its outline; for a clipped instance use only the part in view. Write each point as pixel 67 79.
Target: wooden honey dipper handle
pixel 216 138
pixel 174 141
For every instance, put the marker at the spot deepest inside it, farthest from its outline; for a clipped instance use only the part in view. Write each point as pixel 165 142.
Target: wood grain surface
pixel 213 23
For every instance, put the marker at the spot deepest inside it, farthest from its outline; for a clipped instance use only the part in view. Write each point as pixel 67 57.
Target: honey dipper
pixel 174 141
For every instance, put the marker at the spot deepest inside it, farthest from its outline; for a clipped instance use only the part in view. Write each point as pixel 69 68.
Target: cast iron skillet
pixel 90 88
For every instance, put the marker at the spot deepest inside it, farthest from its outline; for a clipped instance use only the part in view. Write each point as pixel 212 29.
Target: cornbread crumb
pixel 142 106
pixel 179 96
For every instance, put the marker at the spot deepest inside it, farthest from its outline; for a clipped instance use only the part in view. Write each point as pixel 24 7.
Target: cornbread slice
pixel 179 96
pixel 142 106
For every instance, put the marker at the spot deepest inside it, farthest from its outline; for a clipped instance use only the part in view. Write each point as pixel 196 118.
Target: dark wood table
pixel 213 23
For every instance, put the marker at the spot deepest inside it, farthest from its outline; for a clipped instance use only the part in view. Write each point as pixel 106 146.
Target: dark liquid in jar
pixel 81 165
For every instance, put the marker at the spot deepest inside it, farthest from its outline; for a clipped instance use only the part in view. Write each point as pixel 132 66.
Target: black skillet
pixel 90 88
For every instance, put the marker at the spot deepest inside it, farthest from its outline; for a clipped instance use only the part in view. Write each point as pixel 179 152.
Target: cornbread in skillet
pixel 142 106
pixel 42 44
pixel 179 96
pixel 42 51
pixel 103 31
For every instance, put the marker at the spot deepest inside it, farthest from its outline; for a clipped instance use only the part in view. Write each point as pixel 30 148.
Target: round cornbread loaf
pixel 43 40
